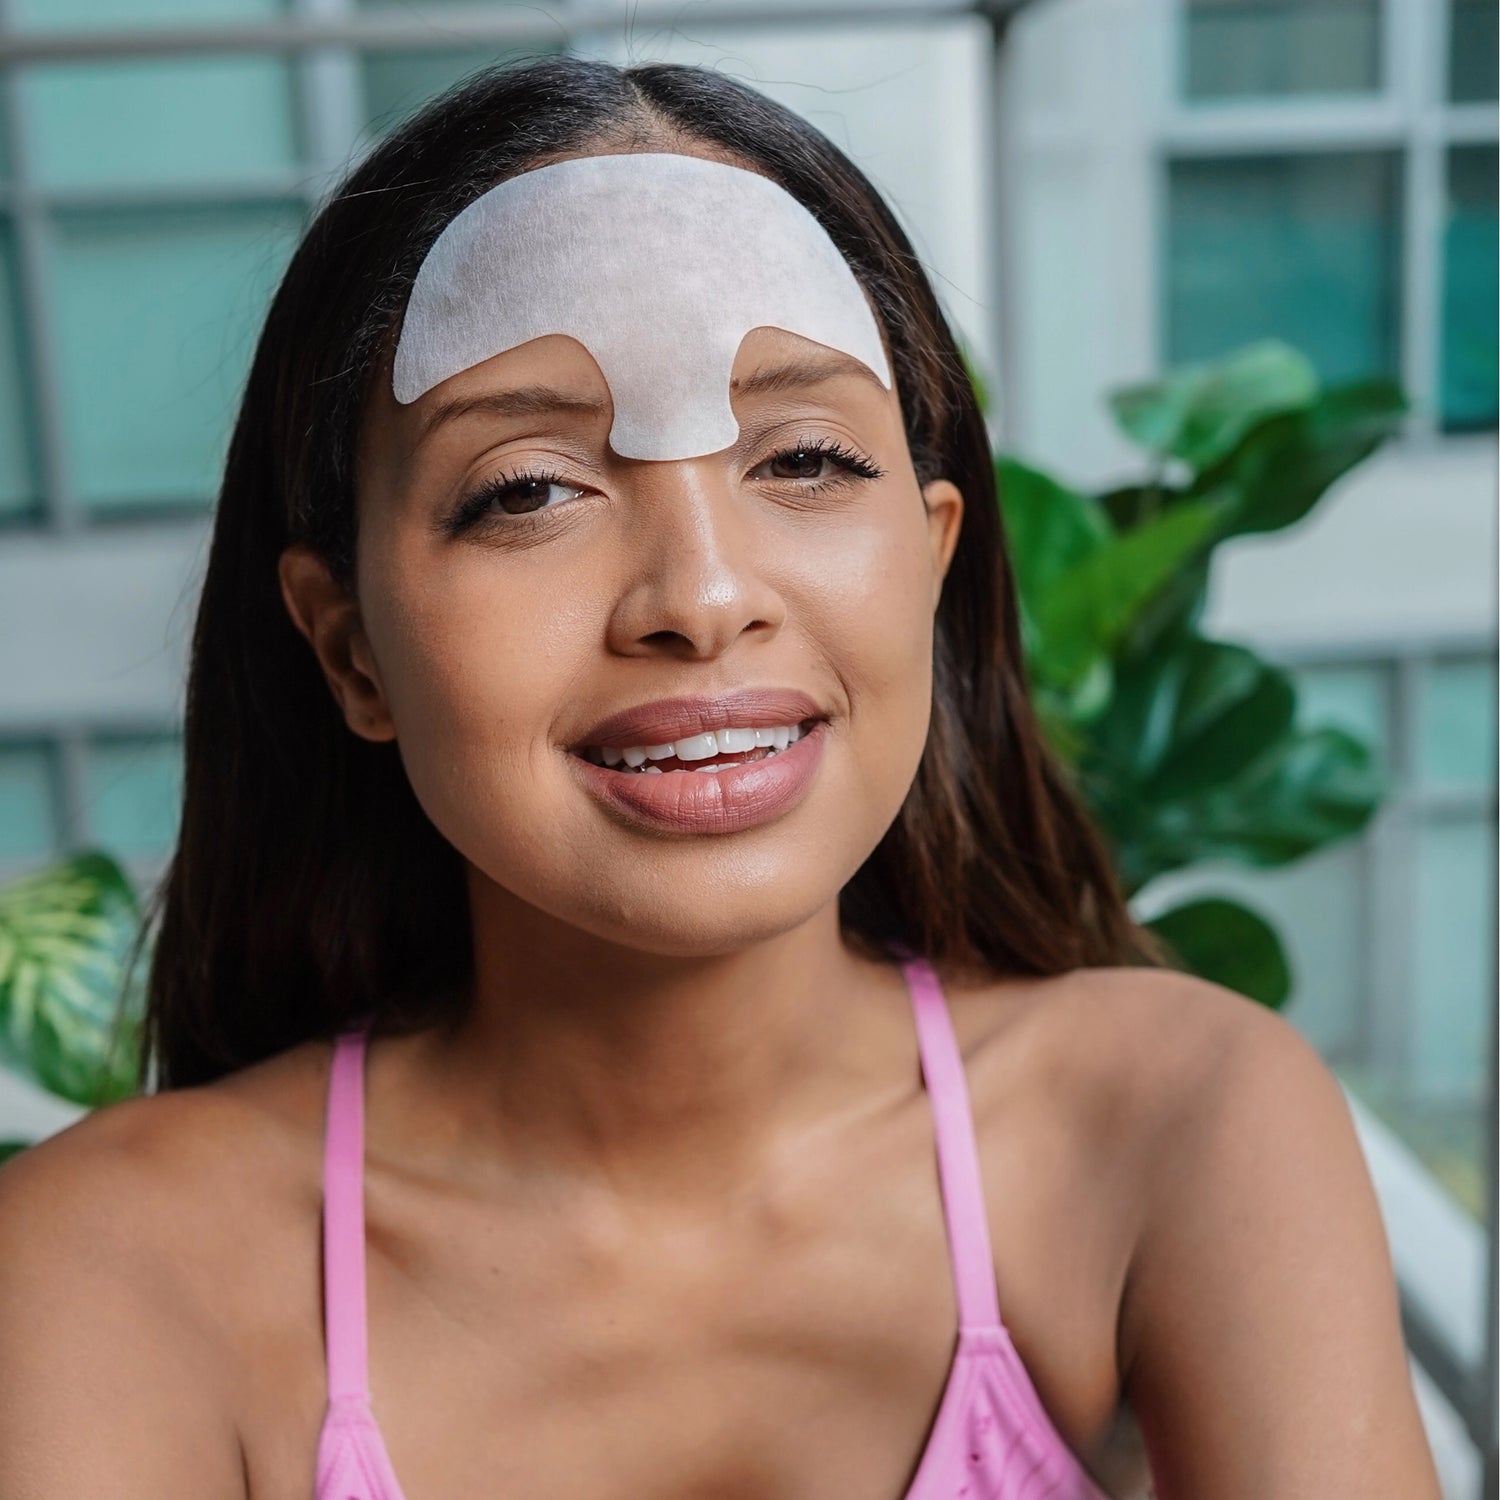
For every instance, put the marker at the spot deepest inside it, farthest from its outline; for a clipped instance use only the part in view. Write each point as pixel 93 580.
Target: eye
pixel 807 457
pixel 526 491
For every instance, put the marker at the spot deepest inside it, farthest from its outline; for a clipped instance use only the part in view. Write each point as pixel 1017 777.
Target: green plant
pixel 65 936
pixel 1187 749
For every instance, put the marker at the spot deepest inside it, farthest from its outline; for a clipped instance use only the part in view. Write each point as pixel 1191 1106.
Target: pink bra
pixel 991 1439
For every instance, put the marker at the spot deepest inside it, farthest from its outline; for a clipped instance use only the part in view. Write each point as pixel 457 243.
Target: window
pixel 1327 180
pixel 116 789
pixel 1472 41
pixel 1305 248
pixel 1471 309
pixel 1253 48
pixel 148 206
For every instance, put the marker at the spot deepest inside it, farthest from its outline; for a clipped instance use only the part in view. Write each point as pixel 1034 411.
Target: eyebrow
pixel 544 400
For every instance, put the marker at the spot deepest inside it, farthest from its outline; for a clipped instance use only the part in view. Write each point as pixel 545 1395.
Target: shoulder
pixel 110 1332
pixel 1259 1335
pixel 1125 1053
pixel 144 1202
pixel 133 1194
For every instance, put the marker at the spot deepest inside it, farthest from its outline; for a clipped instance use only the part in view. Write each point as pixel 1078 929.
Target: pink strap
pixel 344 1222
pixel 958 1157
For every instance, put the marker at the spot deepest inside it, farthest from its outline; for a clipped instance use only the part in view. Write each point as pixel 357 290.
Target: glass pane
pixel 157 313
pixel 1353 698
pixel 160 120
pixel 1240 48
pixel 1453 1000
pixel 1318 907
pixel 1304 248
pixel 1472 40
pixel 19 488
pixel 29 820
pixel 1456 725
pixel 133 794
pixel 66 14
pixel 1471 307
pixel 397 84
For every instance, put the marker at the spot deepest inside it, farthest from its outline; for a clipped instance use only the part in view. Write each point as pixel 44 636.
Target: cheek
pixel 869 608
pixel 476 661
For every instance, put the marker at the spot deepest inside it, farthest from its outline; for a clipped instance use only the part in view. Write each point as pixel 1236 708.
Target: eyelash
pixel 473 507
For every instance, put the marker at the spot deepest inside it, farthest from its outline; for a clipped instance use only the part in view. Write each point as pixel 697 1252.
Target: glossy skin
pixel 660 1217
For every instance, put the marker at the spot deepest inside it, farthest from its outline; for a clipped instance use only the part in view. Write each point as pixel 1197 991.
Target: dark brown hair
pixel 307 886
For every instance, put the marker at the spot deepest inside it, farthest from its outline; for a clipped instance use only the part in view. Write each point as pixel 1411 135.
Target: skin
pixel 659 1216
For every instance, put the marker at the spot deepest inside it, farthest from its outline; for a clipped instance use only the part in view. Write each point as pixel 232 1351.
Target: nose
pixel 699 570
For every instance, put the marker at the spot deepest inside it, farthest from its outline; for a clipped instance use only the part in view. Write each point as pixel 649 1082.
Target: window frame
pixel 1408 114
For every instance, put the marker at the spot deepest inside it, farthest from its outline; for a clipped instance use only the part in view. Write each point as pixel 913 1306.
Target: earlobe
pixel 328 618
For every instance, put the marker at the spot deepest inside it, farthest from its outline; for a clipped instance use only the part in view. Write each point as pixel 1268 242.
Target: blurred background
pixel 1104 191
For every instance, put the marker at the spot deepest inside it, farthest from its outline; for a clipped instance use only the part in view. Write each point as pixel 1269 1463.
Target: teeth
pixel 695 747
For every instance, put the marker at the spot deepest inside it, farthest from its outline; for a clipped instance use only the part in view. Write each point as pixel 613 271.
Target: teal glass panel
pixel 1456 726
pixel 1473 36
pixel 157 313
pixel 61 15
pixel 133 794
pixel 19 487
pixel 160 120
pixel 1471 306
pixel 1453 992
pixel 29 815
pixel 1304 248
pixel 1353 698
pixel 398 84
pixel 1234 49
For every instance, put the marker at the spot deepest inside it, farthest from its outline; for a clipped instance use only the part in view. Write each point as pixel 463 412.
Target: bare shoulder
pixel 1126 1052
pixel 1259 1335
pixel 119 1237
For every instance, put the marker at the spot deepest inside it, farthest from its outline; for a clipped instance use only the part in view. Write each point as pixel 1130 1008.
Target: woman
pixel 662 1124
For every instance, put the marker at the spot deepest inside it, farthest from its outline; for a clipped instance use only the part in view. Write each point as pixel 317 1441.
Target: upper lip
pixel 669 719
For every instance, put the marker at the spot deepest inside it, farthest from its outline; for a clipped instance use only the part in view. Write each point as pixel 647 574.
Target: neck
pixel 659 1077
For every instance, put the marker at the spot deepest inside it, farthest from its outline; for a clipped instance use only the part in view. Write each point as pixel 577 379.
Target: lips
pixel 669 719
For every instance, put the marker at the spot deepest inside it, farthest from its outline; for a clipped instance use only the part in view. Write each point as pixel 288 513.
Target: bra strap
pixel 344 1222
pixel 957 1153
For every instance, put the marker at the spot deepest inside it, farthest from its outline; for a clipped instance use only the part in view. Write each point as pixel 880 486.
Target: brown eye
pixel 806 462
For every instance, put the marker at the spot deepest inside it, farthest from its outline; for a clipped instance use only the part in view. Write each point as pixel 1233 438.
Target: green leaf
pixel 1222 941
pixel 1048 527
pixel 65 932
pixel 1311 789
pixel 1200 411
pixel 1288 462
pixel 1315 787
pixel 12 1148
pixel 1087 608
pixel 1192 716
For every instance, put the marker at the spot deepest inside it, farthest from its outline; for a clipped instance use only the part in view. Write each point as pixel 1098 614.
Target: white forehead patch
pixel 659 264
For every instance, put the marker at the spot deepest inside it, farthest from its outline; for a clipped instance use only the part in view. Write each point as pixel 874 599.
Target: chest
pixel 795 1341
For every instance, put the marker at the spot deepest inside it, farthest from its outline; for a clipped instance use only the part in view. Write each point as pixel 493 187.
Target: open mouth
pixel 711 752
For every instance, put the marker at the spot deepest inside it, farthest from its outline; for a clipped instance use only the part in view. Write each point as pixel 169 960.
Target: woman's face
pixel 496 627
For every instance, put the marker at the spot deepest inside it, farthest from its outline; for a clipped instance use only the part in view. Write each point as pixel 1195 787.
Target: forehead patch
pixel 657 263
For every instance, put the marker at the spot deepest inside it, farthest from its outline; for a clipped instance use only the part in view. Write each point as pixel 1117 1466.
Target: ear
pixel 944 503
pixel 328 616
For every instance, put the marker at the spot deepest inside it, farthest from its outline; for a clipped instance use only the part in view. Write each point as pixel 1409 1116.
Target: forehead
pixel 552 385
pixel 660 266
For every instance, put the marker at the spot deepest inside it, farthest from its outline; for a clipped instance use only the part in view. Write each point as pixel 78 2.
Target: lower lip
pixel 739 796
